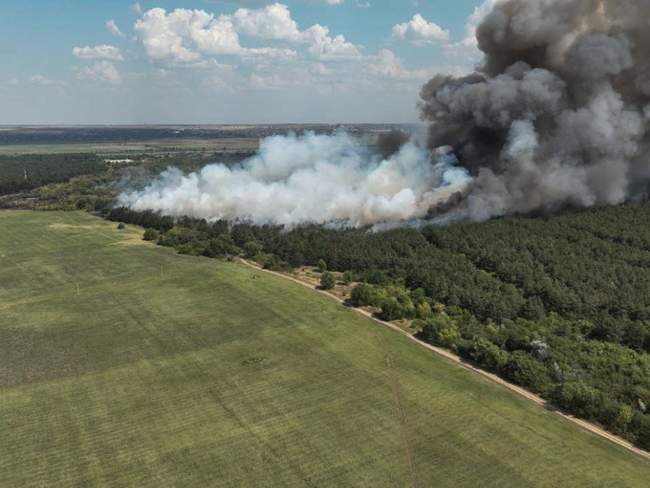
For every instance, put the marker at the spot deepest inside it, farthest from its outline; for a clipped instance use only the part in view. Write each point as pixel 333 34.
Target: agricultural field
pixel 125 364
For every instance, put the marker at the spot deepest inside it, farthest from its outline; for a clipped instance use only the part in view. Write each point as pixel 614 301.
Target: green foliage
pixel 488 355
pixel 348 277
pixel 362 295
pixel 151 235
pixel 441 330
pixel 327 281
pixel 121 226
pixel 252 249
pixel 25 172
pixel 321 266
pixel 524 370
pixel 579 398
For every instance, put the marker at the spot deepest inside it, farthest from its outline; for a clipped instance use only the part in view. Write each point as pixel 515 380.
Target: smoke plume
pixel 557 114
pixel 309 179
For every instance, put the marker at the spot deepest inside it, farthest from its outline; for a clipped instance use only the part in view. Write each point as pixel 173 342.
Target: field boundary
pixel 457 360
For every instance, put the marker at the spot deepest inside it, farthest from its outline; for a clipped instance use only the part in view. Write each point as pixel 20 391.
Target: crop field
pixel 124 364
pixel 126 149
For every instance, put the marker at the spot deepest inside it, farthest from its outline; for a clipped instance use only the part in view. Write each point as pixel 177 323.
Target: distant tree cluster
pixel 26 172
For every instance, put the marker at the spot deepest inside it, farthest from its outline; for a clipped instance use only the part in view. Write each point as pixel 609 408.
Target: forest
pixel 557 304
pixel 26 172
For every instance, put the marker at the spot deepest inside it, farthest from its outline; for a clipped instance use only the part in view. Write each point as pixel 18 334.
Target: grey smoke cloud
pixel 309 179
pixel 557 113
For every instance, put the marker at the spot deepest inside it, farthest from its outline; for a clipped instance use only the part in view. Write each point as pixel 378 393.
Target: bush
pixel 327 281
pixel 525 371
pixel 252 249
pixel 322 266
pixel 151 235
pixel 441 330
pixel 121 226
pixel 577 398
pixel 362 295
pixel 348 277
pixel 488 355
pixel 391 309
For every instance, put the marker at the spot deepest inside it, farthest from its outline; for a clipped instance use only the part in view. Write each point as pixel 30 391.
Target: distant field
pixel 135 148
pixel 123 364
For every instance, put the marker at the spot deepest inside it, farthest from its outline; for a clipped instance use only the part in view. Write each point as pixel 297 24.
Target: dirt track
pixel 593 428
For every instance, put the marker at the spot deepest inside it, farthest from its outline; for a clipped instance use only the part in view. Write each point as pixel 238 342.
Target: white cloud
pixel 185 36
pixel 112 27
pixel 271 22
pixel 324 46
pixel 106 52
pixel 100 71
pixel 467 48
pixel 420 31
pixel 41 80
pixel 388 66
pixel 136 8
pixel 333 2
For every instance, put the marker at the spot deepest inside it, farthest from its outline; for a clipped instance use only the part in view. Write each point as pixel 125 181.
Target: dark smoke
pixel 558 112
pixel 389 143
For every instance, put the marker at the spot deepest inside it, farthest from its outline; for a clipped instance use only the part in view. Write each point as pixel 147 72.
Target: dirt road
pixel 593 428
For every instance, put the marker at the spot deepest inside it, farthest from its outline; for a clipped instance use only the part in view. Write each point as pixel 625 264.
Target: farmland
pixel 124 364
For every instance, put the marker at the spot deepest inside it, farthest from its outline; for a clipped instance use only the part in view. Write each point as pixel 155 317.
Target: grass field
pixel 123 364
pixel 125 149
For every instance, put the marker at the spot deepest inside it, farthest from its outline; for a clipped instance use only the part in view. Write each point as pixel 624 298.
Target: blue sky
pixel 246 61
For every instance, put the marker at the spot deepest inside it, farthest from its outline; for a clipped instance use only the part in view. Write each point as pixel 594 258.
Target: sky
pixel 228 62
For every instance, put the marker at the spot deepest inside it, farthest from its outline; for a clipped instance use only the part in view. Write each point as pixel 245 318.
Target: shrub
pixel 524 370
pixel 121 226
pixel 348 277
pixel 362 295
pixel 441 330
pixel 322 266
pixel 252 249
pixel 327 281
pixel 151 235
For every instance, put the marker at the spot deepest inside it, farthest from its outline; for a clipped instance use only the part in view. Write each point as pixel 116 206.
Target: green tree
pixel 252 249
pixel 151 235
pixel 361 295
pixel 322 266
pixel 327 281
pixel 441 330
pixel 348 277
pixel 527 372
pixel 391 309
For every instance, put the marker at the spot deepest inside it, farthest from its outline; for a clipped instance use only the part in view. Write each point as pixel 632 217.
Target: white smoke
pixel 309 179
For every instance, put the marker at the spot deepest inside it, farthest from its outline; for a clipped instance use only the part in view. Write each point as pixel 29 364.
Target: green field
pixel 123 364
pixel 126 149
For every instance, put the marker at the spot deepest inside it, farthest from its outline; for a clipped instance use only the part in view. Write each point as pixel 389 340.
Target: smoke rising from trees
pixel 308 179
pixel 556 115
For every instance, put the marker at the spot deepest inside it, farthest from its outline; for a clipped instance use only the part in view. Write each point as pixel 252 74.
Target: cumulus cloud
pixel 308 179
pixel 184 36
pixel 100 71
pixel 386 64
pixel 104 52
pixel 112 27
pixel 420 31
